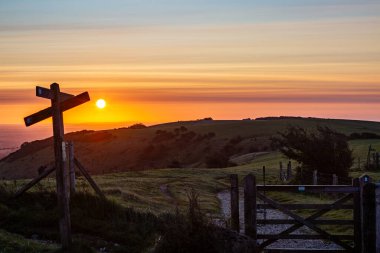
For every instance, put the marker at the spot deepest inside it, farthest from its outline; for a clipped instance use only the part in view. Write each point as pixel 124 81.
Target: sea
pixel 13 136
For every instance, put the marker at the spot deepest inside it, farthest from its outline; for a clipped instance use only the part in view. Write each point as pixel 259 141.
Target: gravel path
pixel 224 198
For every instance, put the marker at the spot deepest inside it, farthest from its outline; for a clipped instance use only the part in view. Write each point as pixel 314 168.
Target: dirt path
pixel 164 188
pixel 224 198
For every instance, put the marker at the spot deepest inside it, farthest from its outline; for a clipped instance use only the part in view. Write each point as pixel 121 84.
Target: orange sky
pixel 169 61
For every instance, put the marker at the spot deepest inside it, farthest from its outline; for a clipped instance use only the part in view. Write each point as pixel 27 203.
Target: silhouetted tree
pixel 325 150
pixel 137 126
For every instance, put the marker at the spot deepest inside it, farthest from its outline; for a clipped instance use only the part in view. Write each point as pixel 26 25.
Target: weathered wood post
pixel 235 223
pixel 264 192
pixel 70 146
pixel 315 177
pixel 377 160
pixel 250 211
pixel 289 171
pixel 281 173
pixel 369 156
pixel 60 102
pixel 363 180
pixel 61 179
pixel 369 217
pixel 378 218
pixel 334 179
pixel 357 217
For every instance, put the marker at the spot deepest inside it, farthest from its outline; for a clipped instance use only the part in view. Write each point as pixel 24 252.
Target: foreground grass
pixel 16 243
pixel 96 223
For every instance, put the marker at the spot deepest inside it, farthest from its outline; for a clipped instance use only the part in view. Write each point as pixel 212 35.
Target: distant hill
pixel 201 143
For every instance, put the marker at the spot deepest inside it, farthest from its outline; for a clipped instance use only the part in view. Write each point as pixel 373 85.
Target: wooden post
pixel 89 178
pixel 289 171
pixel 250 207
pixel 63 201
pixel 281 173
pixel 334 179
pixel 359 163
pixel 235 223
pixel 357 217
pixel 264 192
pixel 374 161
pixel 369 156
pixel 71 167
pixel 377 160
pixel 363 180
pixel 315 177
pixel 33 182
pixel 369 217
pixel 377 218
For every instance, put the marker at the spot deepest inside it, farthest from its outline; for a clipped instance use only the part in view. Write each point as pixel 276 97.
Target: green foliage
pixel 120 229
pixel 326 150
pixel 218 160
pixel 187 234
pixel 137 126
pixel 11 243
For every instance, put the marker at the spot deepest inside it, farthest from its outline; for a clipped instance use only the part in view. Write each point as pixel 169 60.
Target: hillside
pixel 204 143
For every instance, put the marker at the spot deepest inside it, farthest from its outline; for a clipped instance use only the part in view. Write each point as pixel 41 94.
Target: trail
pixel 164 188
pixel 224 198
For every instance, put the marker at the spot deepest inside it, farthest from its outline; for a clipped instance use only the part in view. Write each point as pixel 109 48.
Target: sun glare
pixel 101 103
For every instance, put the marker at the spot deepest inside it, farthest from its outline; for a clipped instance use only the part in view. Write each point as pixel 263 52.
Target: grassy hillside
pixel 155 191
pixel 191 144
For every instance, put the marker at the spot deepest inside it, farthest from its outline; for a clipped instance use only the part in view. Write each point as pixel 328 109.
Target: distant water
pixel 12 136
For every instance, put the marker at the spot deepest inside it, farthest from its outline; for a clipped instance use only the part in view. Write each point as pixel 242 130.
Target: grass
pixel 96 223
pixel 11 243
pixel 162 190
pixel 151 194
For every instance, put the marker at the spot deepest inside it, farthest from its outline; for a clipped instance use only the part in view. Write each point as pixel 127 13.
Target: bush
pixel 190 233
pixel 174 164
pixel 365 135
pixel 218 160
pixel 326 151
pixel 137 126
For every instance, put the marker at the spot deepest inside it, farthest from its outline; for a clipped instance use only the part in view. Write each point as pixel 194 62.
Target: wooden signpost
pixel 60 102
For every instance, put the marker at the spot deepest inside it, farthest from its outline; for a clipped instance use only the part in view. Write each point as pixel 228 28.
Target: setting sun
pixel 101 103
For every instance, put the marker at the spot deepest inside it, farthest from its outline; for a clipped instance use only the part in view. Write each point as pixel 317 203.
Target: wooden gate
pixel 359 197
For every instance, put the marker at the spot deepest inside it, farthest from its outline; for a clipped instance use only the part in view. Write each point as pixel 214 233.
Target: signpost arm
pixel 61 177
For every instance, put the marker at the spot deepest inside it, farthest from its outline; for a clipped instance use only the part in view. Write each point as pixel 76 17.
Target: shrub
pixel 137 126
pixel 326 151
pixel 190 233
pixel 218 160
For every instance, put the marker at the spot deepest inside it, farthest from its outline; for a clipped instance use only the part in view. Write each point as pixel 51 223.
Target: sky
pixel 167 60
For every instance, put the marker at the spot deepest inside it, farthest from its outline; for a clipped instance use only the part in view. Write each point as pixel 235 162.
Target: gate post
pixel 282 178
pixel 250 210
pixel 235 203
pixel 289 170
pixel 369 217
pixel 377 218
pixel 357 217
pixel 335 179
pixel 315 177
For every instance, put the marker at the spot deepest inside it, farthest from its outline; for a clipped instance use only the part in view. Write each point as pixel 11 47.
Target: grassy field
pixel 162 191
